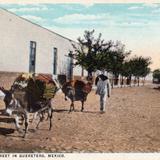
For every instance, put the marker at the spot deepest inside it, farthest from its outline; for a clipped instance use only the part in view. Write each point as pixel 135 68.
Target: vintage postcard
pixel 79 79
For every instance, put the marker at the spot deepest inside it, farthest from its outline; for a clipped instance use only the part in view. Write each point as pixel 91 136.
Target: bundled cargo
pixel 38 87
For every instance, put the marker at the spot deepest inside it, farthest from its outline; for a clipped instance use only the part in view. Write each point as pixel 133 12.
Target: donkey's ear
pixel 3 90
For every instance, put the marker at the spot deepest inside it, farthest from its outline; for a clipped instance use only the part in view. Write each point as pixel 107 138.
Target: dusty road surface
pixel 131 124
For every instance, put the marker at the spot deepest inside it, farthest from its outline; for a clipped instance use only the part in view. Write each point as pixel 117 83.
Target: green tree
pixel 126 72
pixel 140 66
pixel 156 74
pixel 90 52
pixel 117 57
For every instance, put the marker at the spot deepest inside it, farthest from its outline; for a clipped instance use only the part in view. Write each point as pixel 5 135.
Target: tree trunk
pixel 138 81
pixel 90 77
pixel 130 81
pixel 143 81
pixel 134 81
pixel 122 81
pixel 112 81
pixel 116 80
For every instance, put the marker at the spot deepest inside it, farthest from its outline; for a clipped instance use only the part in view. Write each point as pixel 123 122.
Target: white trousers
pixel 103 99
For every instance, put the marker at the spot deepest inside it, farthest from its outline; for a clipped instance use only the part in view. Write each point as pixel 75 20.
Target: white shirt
pixel 103 87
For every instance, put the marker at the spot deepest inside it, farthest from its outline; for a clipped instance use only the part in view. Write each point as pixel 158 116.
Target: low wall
pixel 7 78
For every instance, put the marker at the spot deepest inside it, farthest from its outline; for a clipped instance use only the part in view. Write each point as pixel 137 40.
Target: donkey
pixel 23 101
pixel 76 90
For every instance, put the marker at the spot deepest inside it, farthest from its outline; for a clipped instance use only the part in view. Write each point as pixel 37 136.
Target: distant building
pixel 28 47
pixel 149 77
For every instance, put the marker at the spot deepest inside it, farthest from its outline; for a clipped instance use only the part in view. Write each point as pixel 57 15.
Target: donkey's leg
pixel 50 115
pixel 34 117
pixel 82 106
pixel 17 124
pixel 71 106
pixel 41 117
pixel 26 119
pixel 49 105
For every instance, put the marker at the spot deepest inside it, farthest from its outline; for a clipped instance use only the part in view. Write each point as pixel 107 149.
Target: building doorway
pixel 70 66
pixel 32 58
pixel 54 61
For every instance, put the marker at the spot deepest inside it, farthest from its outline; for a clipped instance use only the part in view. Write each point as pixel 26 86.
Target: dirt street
pixel 131 124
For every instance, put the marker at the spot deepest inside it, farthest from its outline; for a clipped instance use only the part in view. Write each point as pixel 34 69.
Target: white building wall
pixel 149 77
pixel 15 36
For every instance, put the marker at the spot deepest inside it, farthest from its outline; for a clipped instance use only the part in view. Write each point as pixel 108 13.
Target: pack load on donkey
pixel 39 88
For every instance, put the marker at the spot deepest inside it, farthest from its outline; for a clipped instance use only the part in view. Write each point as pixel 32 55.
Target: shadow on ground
pixel 5 131
pixel 6 120
pixel 60 110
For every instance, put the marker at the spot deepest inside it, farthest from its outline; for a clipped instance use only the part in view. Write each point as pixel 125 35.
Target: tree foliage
pixel 140 66
pixel 156 74
pixel 126 69
pixel 87 53
pixel 96 54
pixel 117 57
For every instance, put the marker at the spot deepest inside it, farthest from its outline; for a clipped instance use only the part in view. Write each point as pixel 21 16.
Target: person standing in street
pixel 103 90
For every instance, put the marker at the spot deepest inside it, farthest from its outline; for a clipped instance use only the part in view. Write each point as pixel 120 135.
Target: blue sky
pixel 135 24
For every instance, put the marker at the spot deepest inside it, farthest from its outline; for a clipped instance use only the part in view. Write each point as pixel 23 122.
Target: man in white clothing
pixel 103 90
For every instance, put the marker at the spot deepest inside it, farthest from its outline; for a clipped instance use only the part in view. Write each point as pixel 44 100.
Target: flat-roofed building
pixel 28 47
